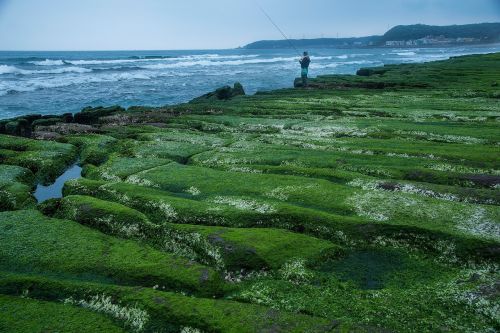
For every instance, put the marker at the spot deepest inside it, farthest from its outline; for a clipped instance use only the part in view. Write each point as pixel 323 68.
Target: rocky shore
pixel 363 203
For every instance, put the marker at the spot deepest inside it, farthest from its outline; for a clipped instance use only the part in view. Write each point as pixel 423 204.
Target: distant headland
pixel 417 35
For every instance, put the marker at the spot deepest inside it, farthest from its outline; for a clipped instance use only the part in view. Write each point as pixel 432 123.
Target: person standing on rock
pixel 305 61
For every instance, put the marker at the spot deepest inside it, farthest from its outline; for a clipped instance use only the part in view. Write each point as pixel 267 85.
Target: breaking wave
pixel 8 87
pixel 6 69
pixel 48 62
pixel 157 59
pixel 405 54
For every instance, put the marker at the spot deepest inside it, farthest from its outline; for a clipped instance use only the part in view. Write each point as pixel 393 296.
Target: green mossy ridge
pixel 94 148
pixel 119 168
pixel 265 192
pixel 108 217
pixel 273 247
pixel 33 243
pixel 27 315
pixel 16 184
pixel 161 206
pixel 168 312
pixel 388 289
pixel 46 159
pixel 224 248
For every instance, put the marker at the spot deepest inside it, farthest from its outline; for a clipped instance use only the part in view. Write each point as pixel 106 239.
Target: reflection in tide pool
pixel 54 191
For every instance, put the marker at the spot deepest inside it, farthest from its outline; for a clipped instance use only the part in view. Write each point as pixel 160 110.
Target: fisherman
pixel 304 64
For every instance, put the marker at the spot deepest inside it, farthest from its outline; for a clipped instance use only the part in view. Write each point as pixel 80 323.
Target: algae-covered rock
pixel 16 184
pixel 370 71
pixel 46 122
pixel 31 242
pixel 90 115
pixel 46 159
pixel 20 127
pixel 254 249
pixel 42 316
pixel 109 217
pixel 150 310
pixel 223 93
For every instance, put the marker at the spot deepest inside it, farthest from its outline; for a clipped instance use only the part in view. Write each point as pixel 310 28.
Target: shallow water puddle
pixel 54 191
pixel 368 269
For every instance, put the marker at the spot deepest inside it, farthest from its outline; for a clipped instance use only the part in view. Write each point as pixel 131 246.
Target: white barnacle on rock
pixel 107 175
pixel 283 192
pixel 460 169
pixel 164 207
pixel 190 330
pixel 295 271
pixel 137 180
pixel 478 221
pixel 378 185
pixel 244 169
pixel 245 204
pixel 193 191
pixel 133 316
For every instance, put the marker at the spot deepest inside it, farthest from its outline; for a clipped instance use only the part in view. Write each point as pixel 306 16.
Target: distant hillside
pixel 489 32
pixel 315 43
pixel 401 35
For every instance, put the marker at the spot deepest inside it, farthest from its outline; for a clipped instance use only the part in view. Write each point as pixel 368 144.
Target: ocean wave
pixel 219 56
pixel 167 59
pixel 404 54
pixel 353 55
pixel 321 58
pixel 7 87
pixel 346 63
pixel 6 69
pixel 208 63
pixel 48 62
pixel 332 65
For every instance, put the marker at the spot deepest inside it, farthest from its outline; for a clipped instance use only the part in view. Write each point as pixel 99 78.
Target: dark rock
pixel 364 72
pixel 32 117
pixel 50 136
pixel 67 118
pixel 371 71
pixel 49 207
pixel 67 128
pixel 484 180
pixel 46 122
pixel 90 115
pixel 19 127
pixel 238 89
pixel 222 94
pixel 389 186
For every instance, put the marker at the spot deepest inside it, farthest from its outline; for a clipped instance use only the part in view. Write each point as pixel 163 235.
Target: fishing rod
pixel 278 28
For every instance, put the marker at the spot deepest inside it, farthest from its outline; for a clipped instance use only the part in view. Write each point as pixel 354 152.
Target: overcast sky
pixel 212 24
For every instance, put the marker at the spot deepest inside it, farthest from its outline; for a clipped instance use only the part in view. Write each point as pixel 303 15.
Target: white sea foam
pixel 48 62
pixel 404 54
pixel 5 69
pixel 208 63
pixel 161 60
pixel 67 80
pixel 321 58
pixel 344 56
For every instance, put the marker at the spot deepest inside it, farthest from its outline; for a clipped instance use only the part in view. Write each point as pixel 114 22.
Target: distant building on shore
pixel 431 40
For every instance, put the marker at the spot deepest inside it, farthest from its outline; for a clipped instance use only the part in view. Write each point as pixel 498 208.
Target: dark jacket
pixel 305 61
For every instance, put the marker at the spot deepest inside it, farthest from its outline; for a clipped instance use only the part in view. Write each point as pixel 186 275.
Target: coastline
pixel 48 83
pixel 362 203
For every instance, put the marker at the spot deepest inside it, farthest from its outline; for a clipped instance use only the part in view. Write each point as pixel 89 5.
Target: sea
pixel 60 82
